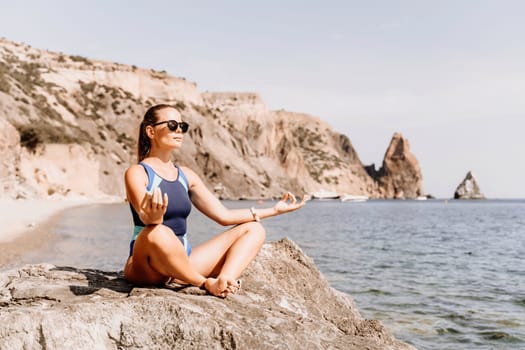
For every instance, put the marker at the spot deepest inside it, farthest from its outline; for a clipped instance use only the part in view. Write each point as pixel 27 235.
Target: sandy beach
pixel 26 223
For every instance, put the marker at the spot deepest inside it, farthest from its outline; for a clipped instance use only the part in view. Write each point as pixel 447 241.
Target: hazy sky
pixel 448 75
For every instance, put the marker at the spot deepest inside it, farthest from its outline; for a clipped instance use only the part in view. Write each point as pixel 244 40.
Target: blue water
pixel 439 274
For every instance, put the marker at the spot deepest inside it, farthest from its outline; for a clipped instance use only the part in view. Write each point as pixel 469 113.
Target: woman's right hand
pixel 288 203
pixel 153 207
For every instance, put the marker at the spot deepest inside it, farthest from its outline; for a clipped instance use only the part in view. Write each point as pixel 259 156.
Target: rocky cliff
pixel 284 303
pixel 69 126
pixel 468 188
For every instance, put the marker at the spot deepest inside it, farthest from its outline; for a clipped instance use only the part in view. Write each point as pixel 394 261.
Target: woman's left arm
pixel 212 207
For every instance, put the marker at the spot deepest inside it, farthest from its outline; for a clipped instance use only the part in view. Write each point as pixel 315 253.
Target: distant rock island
pixel 69 126
pixel 468 188
pixel 285 303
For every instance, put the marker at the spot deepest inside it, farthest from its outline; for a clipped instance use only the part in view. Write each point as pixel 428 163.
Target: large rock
pixel 468 188
pixel 285 303
pixel 400 175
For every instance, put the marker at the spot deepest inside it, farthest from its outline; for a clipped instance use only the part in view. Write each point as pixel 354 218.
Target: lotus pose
pixel 161 195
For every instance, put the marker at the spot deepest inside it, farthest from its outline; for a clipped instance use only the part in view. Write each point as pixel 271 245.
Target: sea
pixel 439 274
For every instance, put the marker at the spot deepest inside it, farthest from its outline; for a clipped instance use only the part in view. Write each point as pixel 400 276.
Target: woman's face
pixel 161 135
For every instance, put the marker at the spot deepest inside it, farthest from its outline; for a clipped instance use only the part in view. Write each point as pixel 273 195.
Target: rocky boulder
pixel 468 188
pixel 285 303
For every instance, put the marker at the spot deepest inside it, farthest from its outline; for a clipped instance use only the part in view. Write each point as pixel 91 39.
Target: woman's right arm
pixel 149 206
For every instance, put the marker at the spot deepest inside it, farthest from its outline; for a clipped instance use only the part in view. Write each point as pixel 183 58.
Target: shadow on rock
pixel 96 280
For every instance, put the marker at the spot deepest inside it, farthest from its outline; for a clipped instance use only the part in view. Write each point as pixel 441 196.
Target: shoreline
pixel 27 223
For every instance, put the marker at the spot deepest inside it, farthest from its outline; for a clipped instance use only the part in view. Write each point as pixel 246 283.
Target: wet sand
pixel 26 224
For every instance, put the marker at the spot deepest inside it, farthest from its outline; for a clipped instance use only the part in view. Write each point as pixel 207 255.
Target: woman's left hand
pixel 288 203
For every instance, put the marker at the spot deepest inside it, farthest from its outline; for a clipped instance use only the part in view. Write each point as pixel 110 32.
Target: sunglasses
pixel 173 125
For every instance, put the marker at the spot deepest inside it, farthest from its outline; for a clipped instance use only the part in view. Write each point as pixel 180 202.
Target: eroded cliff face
pixel 72 125
pixel 9 149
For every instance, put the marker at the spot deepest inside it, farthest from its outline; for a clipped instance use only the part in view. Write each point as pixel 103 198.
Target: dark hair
pixel 150 118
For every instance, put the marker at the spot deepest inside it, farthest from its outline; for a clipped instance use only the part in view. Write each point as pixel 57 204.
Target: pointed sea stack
pixel 468 189
pixel 400 176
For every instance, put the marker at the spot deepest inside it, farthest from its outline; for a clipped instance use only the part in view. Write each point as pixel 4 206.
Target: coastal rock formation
pixel 89 112
pixel 285 303
pixel 468 188
pixel 400 175
pixel 9 149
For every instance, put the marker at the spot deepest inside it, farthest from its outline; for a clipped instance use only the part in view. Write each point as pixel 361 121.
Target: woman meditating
pixel 161 195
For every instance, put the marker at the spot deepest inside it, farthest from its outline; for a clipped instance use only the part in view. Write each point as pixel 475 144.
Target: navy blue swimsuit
pixel 179 205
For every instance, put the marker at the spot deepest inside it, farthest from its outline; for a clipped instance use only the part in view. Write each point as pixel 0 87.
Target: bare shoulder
pixel 135 172
pixel 190 174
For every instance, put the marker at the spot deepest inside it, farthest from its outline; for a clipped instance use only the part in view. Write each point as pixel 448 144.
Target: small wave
pixel 520 302
pixel 500 336
pixel 455 317
pixel 377 292
pixel 509 323
pixel 448 330
pixel 383 266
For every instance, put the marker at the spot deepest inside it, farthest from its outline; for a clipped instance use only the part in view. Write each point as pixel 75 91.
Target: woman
pixel 161 195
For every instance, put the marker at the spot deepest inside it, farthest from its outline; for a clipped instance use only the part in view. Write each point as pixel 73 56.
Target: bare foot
pixel 215 287
pixel 221 287
pixel 233 285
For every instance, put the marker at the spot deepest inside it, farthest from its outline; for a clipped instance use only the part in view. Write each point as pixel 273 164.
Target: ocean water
pixel 439 274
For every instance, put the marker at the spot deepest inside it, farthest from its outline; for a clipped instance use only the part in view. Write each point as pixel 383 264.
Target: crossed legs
pixel 159 255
